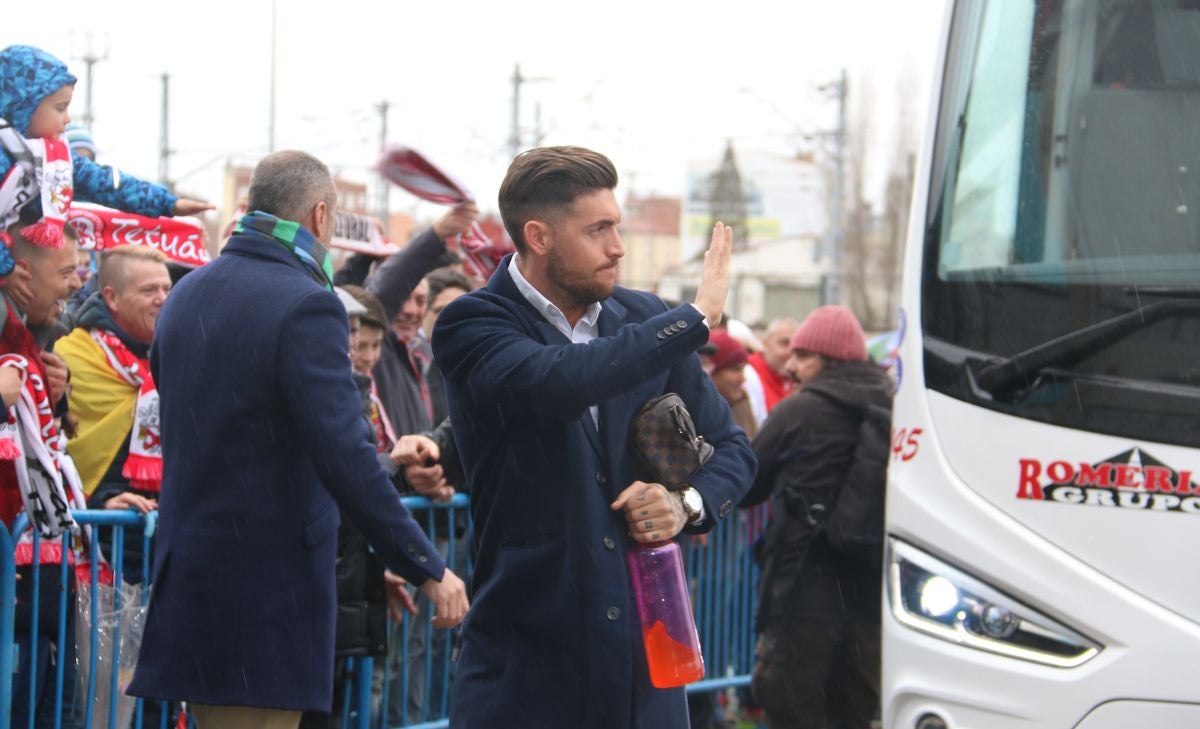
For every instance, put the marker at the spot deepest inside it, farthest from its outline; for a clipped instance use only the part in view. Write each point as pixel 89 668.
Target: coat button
pixel 609 543
pixel 681 324
pixel 600 479
pixel 661 335
pixel 422 559
pixel 613 613
pixel 725 509
pixel 411 548
pixel 673 329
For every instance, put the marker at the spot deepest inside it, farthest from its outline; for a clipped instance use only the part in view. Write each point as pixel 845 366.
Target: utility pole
pixel 90 58
pixel 514 138
pixel 164 147
pixel 381 202
pixel 271 112
pixel 835 290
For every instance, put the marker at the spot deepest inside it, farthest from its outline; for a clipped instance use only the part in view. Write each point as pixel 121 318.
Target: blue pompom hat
pixel 28 75
pixel 79 137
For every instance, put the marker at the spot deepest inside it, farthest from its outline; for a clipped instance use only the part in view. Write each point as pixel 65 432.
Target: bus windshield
pixel 1065 196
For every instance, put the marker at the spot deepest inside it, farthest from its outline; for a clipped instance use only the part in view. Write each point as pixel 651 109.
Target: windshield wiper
pixel 1001 376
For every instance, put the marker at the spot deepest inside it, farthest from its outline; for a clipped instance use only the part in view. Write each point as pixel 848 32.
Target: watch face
pixel 692 503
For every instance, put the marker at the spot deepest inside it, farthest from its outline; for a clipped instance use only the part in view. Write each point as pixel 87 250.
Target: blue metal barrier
pixel 721 572
pixel 722 575
pixel 431 687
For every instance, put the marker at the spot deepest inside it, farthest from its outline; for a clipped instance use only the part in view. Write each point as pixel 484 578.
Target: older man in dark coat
pixel 263 443
pixel 545 367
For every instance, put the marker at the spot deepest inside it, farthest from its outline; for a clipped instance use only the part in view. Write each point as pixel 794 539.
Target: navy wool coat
pixel 553 638
pixel 262 433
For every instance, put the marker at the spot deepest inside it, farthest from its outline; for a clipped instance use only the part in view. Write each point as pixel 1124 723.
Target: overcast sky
pixel 651 84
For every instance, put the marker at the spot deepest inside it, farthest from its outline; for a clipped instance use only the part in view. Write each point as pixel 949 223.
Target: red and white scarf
pixel 143 467
pixel 385 434
pixel 42 169
pixel 41 471
pixel 50 486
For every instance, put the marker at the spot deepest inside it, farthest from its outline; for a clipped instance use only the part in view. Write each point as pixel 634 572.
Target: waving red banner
pixel 409 169
pixel 181 240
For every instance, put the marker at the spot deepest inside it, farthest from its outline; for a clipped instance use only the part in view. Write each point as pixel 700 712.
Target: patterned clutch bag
pixel 664 437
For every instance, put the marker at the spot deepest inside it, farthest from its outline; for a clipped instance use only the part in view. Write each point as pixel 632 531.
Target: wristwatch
pixel 693 504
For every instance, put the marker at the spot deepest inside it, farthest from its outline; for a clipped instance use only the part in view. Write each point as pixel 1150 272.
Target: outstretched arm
pixel 396 278
pixel 481 342
pixel 320 394
pixel 109 186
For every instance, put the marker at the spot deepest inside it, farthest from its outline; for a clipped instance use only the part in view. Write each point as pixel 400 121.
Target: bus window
pixel 1067 194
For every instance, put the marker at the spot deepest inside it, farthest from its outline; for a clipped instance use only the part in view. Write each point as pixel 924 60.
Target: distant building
pixel 650 232
pixel 400 227
pixel 770 279
pixel 785 197
pixel 783 267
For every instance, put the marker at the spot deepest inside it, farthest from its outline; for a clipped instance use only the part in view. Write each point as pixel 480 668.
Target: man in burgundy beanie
pixel 818 622
pixel 728 359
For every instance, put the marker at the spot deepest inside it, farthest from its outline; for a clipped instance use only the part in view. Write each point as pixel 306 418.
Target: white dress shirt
pixel 585 330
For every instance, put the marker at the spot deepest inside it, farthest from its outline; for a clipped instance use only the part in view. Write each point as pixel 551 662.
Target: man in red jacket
pixel 766 381
pixel 52 280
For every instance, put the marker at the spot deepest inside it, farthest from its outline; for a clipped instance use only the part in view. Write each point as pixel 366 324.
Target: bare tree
pixel 856 240
pixel 874 239
pixel 727 198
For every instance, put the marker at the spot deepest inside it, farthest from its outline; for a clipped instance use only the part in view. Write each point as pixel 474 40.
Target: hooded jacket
pixel 804 451
pixel 28 75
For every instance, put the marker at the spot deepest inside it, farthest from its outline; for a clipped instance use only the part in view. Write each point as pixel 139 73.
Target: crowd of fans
pixel 77 327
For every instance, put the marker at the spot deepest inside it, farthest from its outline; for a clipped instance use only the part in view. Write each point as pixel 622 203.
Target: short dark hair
pixel 447 278
pixel 547 180
pixel 376 316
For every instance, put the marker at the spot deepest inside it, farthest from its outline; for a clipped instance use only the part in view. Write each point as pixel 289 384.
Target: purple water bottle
pixel 665 609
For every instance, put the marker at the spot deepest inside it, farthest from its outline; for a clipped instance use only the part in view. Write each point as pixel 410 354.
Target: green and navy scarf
pixel 294 237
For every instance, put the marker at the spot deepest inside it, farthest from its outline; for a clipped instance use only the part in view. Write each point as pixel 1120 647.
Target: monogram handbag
pixel 664 437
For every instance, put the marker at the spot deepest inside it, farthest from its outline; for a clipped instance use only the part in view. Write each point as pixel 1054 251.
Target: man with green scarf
pixel 263 443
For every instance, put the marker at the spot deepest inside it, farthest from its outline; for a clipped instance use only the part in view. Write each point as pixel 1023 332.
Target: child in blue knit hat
pixel 37 170
pixel 79 139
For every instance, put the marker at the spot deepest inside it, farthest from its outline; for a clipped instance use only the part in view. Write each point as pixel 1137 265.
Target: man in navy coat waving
pixel 263 443
pixel 545 367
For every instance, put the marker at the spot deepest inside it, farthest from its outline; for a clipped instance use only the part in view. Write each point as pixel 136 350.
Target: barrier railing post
pixel 8 618
pixel 118 559
pixel 723 573
pixel 35 610
pixel 366 668
pixel 60 647
pixel 388 635
pixel 93 635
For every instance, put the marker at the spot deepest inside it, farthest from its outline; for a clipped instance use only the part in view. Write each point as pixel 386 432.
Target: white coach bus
pixel 1043 511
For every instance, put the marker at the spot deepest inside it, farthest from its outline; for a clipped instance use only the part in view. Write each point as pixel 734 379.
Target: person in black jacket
pixel 818 622
pixel 362 594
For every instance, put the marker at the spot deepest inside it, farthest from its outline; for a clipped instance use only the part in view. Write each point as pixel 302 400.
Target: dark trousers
pixel 37 660
pixel 818 674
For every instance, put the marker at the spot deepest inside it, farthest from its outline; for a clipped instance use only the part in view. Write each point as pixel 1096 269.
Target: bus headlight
pixel 932 597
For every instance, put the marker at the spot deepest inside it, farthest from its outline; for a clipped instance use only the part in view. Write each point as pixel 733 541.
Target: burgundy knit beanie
pixel 728 352
pixel 833 331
